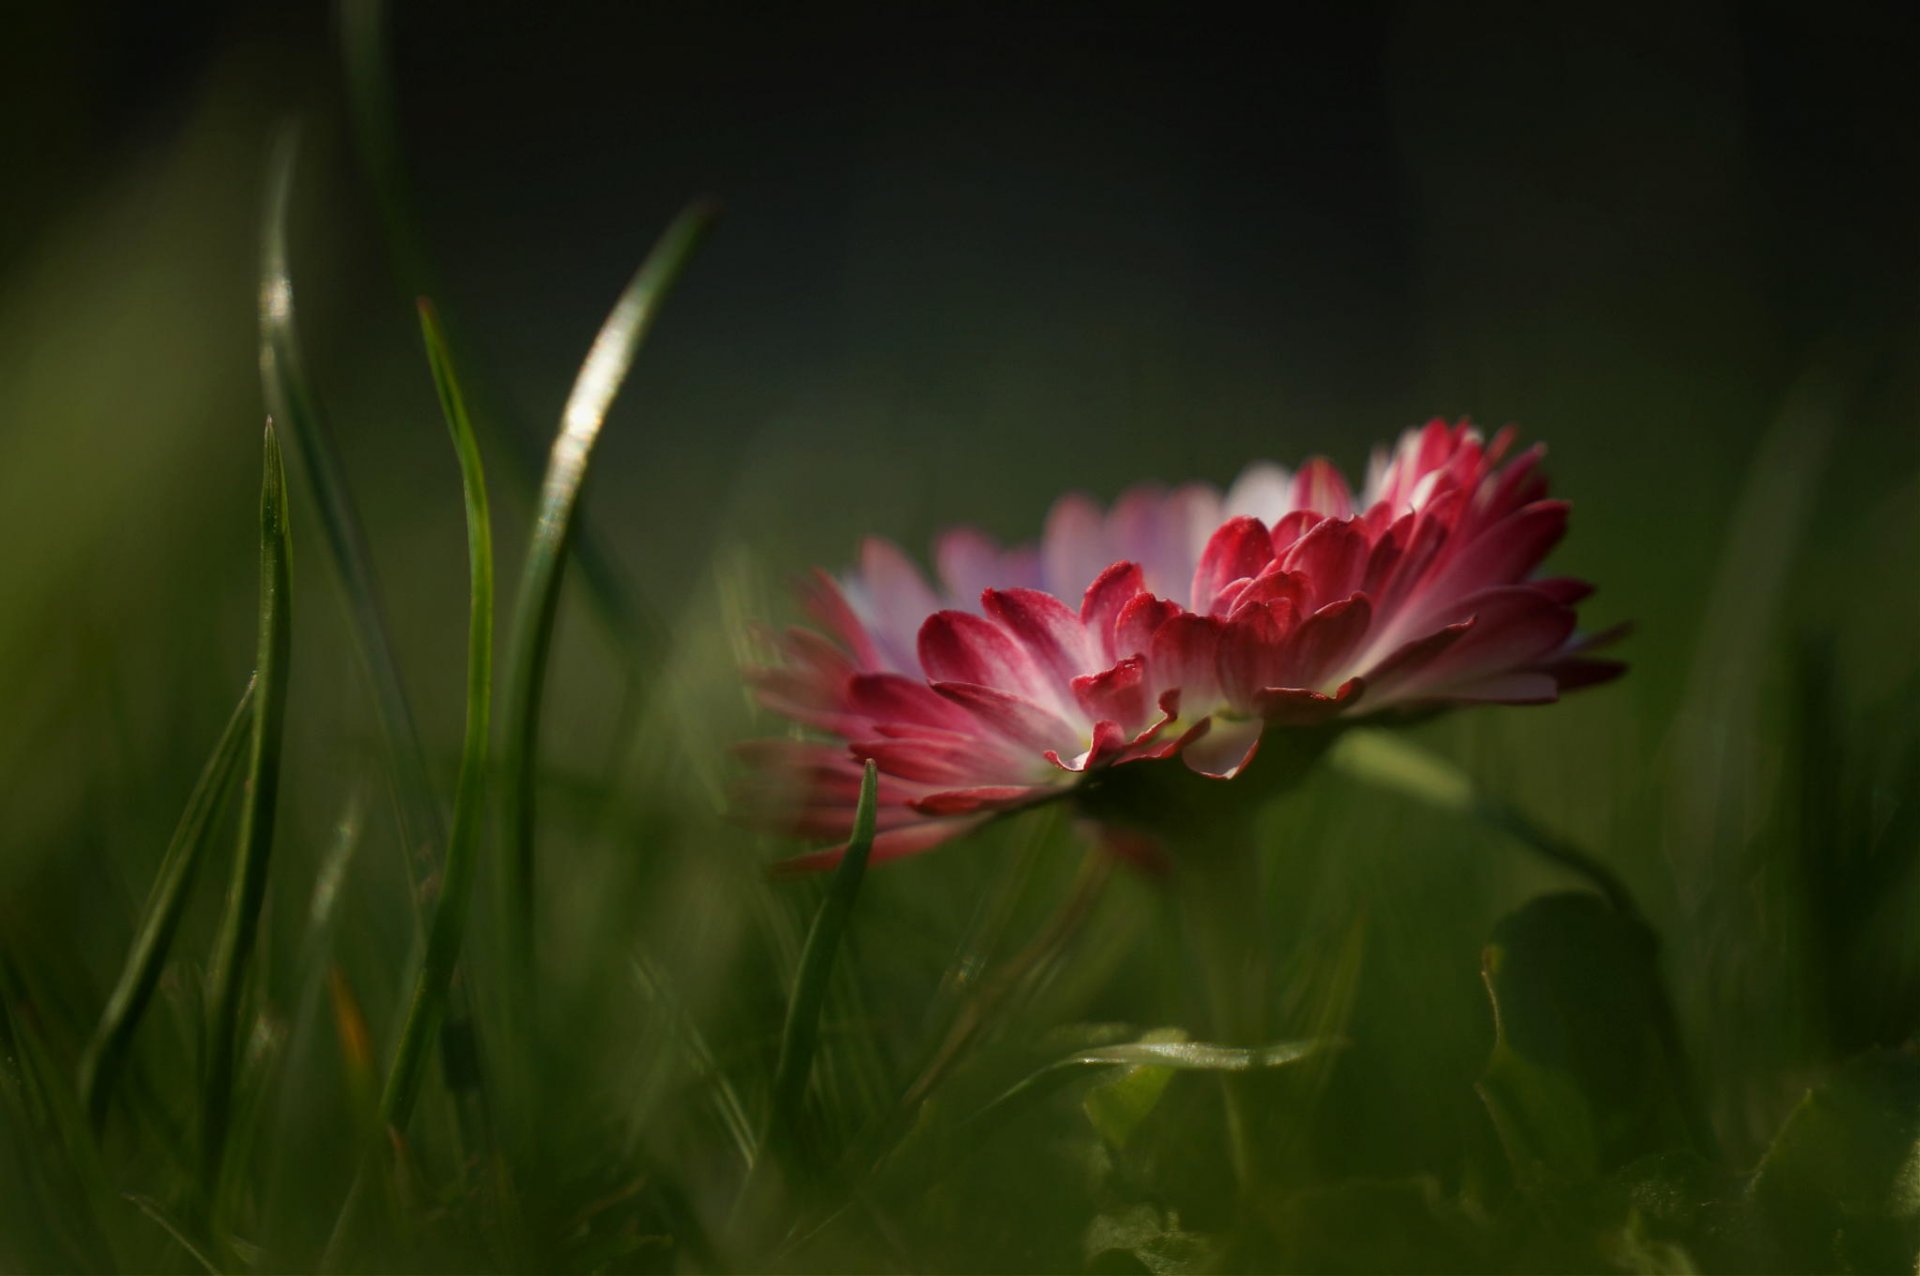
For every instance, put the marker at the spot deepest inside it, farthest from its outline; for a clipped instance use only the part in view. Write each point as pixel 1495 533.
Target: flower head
pixel 1185 622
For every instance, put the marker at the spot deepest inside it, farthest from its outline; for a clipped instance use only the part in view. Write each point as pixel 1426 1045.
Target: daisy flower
pixel 1183 623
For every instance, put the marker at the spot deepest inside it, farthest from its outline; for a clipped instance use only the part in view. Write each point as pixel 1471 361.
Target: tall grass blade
pixel 599 380
pixel 291 399
pixel 369 83
pixel 450 917
pixel 100 1065
pixel 801 1032
pixel 247 891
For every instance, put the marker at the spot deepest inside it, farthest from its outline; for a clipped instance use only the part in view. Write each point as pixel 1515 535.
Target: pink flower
pixel 1199 621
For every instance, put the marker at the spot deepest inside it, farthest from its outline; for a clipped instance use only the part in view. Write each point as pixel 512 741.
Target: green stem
pixel 100 1066
pixel 247 892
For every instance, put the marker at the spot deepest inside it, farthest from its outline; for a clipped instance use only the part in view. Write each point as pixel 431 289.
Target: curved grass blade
pixel 801 1032
pixel 291 399
pixel 100 1065
pixel 1384 760
pixel 247 890
pixel 599 380
pixel 449 920
pixel 369 84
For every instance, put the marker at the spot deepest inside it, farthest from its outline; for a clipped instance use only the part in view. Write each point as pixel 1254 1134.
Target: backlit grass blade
pixel 247 890
pixel 291 399
pixel 801 1033
pixel 599 380
pixel 100 1065
pixel 449 920
pixel 369 84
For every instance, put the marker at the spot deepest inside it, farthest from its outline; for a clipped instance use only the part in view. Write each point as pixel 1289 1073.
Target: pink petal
pixel 892 697
pixel 1041 623
pixel 1300 707
pixel 957 646
pixel 1332 557
pixel 1138 621
pixel 959 761
pixel 1327 641
pixel 1184 656
pixel 1320 487
pixel 891 845
pixel 1118 694
pixel 1014 718
pixel 985 797
pixel 1100 610
pixel 1074 547
pixel 1238 550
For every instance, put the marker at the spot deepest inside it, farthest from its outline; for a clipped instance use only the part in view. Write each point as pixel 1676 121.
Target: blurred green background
pixel 972 257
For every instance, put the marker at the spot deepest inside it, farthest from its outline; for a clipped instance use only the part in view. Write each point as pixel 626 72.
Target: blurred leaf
pixel 100 1065
pixel 801 1032
pixel 1840 1187
pixel 447 932
pixel 1581 1078
pixel 1116 1107
pixel 1153 1051
pixel 292 400
pixel 247 891
pixel 1152 1239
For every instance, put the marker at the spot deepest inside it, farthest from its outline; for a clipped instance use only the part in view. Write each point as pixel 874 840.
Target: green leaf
pixel 100 1065
pixel 1116 1107
pixel 1151 1238
pixel 247 890
pixel 599 379
pixel 801 1033
pixel 1582 1077
pixel 1840 1187
pixel 1153 1051
pixel 428 1004
pixel 293 403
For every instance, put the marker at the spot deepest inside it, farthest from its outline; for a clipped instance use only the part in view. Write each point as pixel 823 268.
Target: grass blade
pixel 633 626
pixel 247 890
pixel 291 400
pixel 449 920
pixel 100 1065
pixel 599 380
pixel 802 1030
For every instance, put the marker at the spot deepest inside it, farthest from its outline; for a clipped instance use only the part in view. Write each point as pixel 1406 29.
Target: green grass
pixel 1626 984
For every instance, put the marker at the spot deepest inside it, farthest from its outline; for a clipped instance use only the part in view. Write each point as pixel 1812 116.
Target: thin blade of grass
pixel 599 379
pixel 100 1065
pixel 292 401
pixel 801 1033
pixel 247 890
pixel 450 917
pixel 633 626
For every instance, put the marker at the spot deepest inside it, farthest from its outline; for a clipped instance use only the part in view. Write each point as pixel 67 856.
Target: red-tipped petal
pixel 1018 720
pixel 957 646
pixel 1139 620
pixel 1119 693
pixel 1326 642
pixel 1184 655
pixel 1237 550
pixel 1100 609
pixel 1225 750
pixel 1332 558
pixel 1320 487
pixel 1041 623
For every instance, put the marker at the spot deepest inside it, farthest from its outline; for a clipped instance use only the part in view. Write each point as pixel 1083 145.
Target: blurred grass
pixel 1752 780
